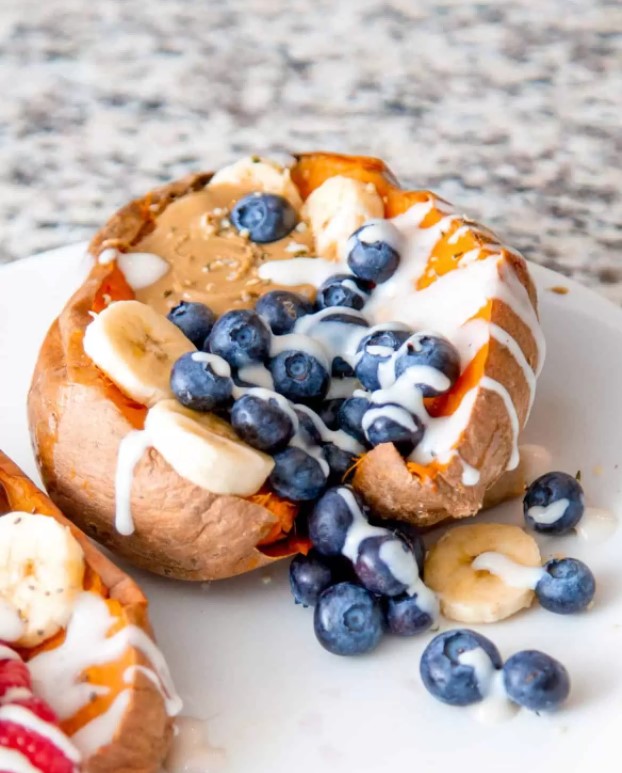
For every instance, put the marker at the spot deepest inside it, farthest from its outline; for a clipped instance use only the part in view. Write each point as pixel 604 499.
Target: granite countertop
pixel 510 109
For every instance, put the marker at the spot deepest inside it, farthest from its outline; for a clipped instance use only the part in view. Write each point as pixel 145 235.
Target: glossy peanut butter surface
pixel 210 261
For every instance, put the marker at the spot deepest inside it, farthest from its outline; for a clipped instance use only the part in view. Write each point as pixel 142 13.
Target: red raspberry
pixel 38 707
pixel 13 673
pixel 40 751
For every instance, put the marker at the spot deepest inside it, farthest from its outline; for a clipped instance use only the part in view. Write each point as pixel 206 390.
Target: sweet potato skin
pixel 145 731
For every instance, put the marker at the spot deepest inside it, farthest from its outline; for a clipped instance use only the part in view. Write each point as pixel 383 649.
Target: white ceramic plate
pixel 245 657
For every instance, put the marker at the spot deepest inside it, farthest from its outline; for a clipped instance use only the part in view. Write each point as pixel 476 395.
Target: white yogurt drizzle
pixel 597 524
pixel 549 514
pixel 57 673
pixel 131 450
pixel 401 563
pixel 511 573
pixel 495 705
pixel 141 269
pixel 447 306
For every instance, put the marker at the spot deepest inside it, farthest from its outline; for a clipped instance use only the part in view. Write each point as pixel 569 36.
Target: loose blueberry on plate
pixel 297 476
pixel 553 503
pixel 308 576
pixel 404 616
pixel 409 533
pixel 432 351
pixel 201 381
pixel 393 424
pixel 331 518
pixel 262 423
pixel 240 337
pixel 376 557
pixel 567 587
pixel 281 309
pixel 339 460
pixel 446 676
pixel 373 251
pixel 536 681
pixel 299 376
pixel 328 411
pixel 351 417
pixel 266 216
pixel 375 349
pixel 348 620
pixel 195 320
pixel 343 290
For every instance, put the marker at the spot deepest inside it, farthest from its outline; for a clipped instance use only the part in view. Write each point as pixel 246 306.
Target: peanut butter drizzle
pixel 211 262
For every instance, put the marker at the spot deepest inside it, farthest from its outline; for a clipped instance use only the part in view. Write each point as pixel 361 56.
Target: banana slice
pixel 136 347
pixel 336 209
pixel 205 450
pixel 471 596
pixel 41 573
pixel 259 174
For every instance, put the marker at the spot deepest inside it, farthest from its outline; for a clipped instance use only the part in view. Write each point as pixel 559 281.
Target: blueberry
pixel 266 216
pixel 299 376
pixel 351 417
pixel 409 533
pixel 568 586
pixel 241 338
pixel 404 616
pixel 331 518
pixel 281 309
pixel 553 503
pixel 374 349
pixel 308 576
pixel 341 368
pixel 329 412
pixel 339 460
pixel 195 320
pixel 343 290
pixel 307 429
pixel 262 423
pixel 201 381
pixel 376 559
pixel 536 681
pixel 443 673
pixel 297 476
pixel 393 424
pixel 348 620
pixel 373 251
pixel 434 352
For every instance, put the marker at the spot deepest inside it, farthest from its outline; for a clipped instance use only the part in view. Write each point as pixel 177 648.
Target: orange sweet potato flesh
pixel 144 732
pixel 428 494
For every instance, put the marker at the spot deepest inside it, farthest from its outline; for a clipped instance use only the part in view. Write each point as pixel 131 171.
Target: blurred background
pixel 511 109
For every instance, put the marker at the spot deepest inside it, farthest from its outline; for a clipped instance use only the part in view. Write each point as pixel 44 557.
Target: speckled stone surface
pixel 510 109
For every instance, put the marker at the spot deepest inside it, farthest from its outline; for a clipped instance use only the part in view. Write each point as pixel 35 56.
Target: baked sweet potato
pixel 78 418
pixel 141 737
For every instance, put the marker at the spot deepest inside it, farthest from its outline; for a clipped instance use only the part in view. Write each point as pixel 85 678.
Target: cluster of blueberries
pixel 530 678
pixel 568 585
pixel 256 351
pixel 349 577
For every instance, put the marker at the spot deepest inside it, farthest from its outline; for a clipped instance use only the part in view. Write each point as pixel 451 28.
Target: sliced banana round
pixel 205 450
pixel 136 347
pixel 469 595
pixel 259 174
pixel 336 209
pixel 41 573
